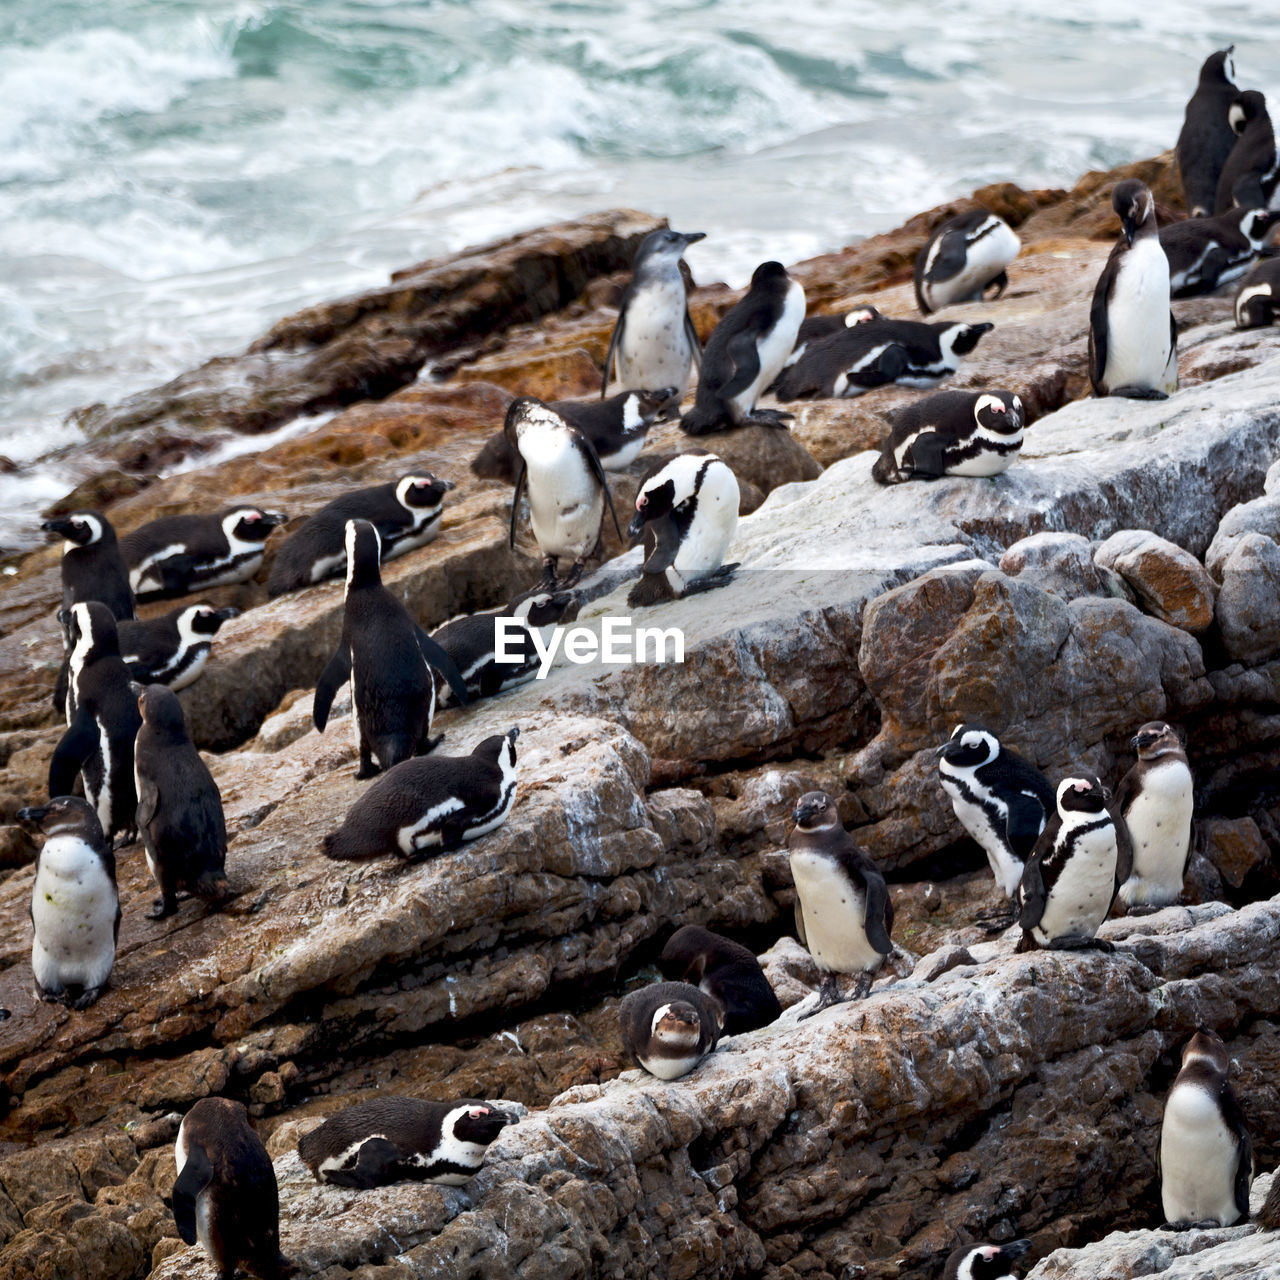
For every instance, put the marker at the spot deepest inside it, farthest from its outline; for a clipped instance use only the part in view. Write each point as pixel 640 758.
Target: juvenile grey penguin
pixel 173 648
pixel 964 258
pixel 687 513
pixel 1155 799
pixel 1133 337
pixel 389 661
pixel 180 815
pixel 654 343
pixel 843 911
pixel 1206 253
pixel 985 1261
pixel 386 1140
pixel 431 803
pixel 669 1027
pixel 725 970
pixel 75 908
pixel 1074 872
pixel 1001 800
pixel 102 723
pixel 953 433
pixel 746 352
pixel 1258 301
pixel 1207 136
pixel 225 1195
pixel 1252 171
pixel 1206 1153
pixel 176 555
pixel 567 486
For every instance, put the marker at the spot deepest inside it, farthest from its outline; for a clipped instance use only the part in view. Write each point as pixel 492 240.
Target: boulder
pixel 1170 583
pixel 1062 563
pixel 1246 610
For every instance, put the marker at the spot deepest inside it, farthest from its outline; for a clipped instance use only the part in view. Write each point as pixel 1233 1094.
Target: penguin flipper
pixel 661 544
pixel 597 469
pixel 148 802
pixel 1124 849
pixel 614 339
pixel 438 658
pixel 743 351
pixel 926 455
pixel 695 343
pixel 375 1166
pixel 1031 890
pixel 61 685
pixel 1244 1153
pixel 1023 824
pixel 196 1174
pixel 515 499
pixel 1247 193
pixel 78 743
pixel 1000 283
pixel 1098 331
pixel 336 673
pixel 1171 369
pixel 877 901
pixel 949 257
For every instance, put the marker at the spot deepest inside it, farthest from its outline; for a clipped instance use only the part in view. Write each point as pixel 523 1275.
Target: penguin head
pixel 250 524
pixel 544 608
pixel 1254 306
pixel 649 404
pixel 1256 224
pixel 477 1122
pixel 986 1261
pixel 676 1025
pixel 65 815
pixel 203 619
pixel 861 315
pixel 1156 739
pixel 970 746
pixel 1133 203
pixel 92 632
pixel 816 811
pixel 161 711
pixel 1250 105
pixel 1205 1046
pixel 500 748
pixel 1082 795
pixel 959 338
pixel 770 275
pixel 999 412
pixel 527 418
pixel 665 489
pixel 1219 67
pixel 81 528
pixel 424 491
pixel 665 244
pixel 364 554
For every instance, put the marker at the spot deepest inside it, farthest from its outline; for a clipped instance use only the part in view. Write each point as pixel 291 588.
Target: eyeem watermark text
pixel 616 644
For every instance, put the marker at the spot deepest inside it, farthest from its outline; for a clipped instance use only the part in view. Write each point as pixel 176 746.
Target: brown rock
pixel 1170 583
pixel 1235 847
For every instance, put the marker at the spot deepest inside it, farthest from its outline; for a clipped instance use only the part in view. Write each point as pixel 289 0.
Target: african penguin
pixel 225 1194
pixel 1258 301
pixel 687 512
pixel 179 806
pixel 567 488
pixel 405 512
pixel 843 911
pixel 386 1140
pixel 654 343
pixel 953 433
pixel 1001 800
pixel 173 648
pixel 1155 799
pixel 1133 337
pixel 746 352
pixel 964 258
pixel 472 643
pixel 431 803
pixel 1252 171
pixel 177 555
pixel 669 1027
pixel 815 328
pixel 92 567
pixel 1073 873
pixel 914 353
pixel 389 661
pixel 726 970
pixel 985 1261
pixel 1207 136
pixel 1206 1153
pixel 1206 253
pixel 75 907
pixel 102 723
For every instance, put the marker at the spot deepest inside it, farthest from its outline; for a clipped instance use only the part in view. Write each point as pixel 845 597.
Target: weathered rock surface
pixel 1170 583
pixel 1246 610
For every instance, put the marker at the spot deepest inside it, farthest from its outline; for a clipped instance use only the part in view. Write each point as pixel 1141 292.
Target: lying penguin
pixel 1258 301
pixel 1206 253
pixel 727 971
pixel 963 259
pixel 669 1027
pixel 173 648
pixel 954 433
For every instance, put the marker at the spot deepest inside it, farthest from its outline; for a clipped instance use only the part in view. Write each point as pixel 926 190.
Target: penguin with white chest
pixel 1206 1153
pixel 687 512
pixel 1252 172
pixel 964 258
pixel 746 352
pixel 1206 253
pixel 1133 337
pixel 567 487
pixel 727 971
pixel 176 555
pixel 1074 872
pixel 225 1195
pixel 843 911
pixel 1258 301
pixel 1207 137
pixel 388 659
pixel 953 433
pixel 173 648
pixel 1001 800
pixel 1155 799
pixel 654 343
pixel 431 803
pixel 669 1027
pixel 92 566
pixel 75 907
pixel 387 1140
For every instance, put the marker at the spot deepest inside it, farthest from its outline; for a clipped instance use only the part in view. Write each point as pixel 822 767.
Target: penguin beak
pixel 635 528
pixel 225 615
pixel 61 526
pixel 692 237
pixel 512 734
pixel 1015 1248
pixel 1130 226
pixel 446 485
pixel 34 815
pixel 273 518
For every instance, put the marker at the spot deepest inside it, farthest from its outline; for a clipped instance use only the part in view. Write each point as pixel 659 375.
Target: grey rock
pixel 1248 609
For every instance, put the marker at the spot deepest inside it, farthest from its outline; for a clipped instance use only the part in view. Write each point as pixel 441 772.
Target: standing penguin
pixel 1206 253
pixel 964 258
pixel 103 722
pixel 1155 799
pixel 225 1195
pixel 985 1261
pixel 669 1027
pixel 953 433
pixel 725 970
pixel 1133 337
pixel 746 352
pixel 687 511
pixel 1252 171
pixel 179 806
pixel 388 658
pixel 1207 136
pixel 92 567
pixel 1001 800
pixel 173 648
pixel 1074 872
pixel 654 343
pixel 75 907
pixel 843 912
pixel 567 487
pixel 1206 1153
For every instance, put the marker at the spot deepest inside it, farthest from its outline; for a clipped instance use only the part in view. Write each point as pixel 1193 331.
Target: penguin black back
pixel 92 566
pixel 1250 175
pixel 1207 136
pixel 173 648
pixel 725 970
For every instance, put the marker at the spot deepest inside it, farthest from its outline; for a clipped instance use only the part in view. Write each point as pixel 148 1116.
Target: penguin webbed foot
pixel 1078 942
pixel 86 997
pixel 573 577
pixel 767 418
pixel 1139 393
pixel 1206 1224
pixel 164 907
pixel 828 995
pixel 720 577
pixel 1145 908
pixel 126 838
pixel 366 770
pixel 996 919
pixel 1000 283
pixel 548 580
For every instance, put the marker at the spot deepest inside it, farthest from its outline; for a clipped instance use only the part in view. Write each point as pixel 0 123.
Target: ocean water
pixel 177 174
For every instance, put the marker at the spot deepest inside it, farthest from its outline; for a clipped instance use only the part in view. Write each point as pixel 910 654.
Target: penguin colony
pixel 1063 856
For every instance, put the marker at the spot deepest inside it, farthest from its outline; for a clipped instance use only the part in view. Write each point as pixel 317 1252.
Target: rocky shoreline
pixel 1127 567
